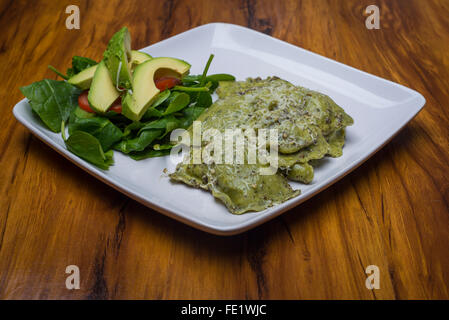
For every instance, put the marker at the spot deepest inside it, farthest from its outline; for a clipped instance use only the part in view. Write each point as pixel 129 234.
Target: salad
pixel 128 102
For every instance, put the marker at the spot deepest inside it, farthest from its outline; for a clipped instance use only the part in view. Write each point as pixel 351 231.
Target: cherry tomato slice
pixel 83 102
pixel 116 106
pixel 165 83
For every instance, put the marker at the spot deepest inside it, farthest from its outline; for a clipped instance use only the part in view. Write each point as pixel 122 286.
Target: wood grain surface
pixel 392 212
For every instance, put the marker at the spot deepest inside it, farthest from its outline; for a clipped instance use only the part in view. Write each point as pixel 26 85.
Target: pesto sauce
pixel 310 126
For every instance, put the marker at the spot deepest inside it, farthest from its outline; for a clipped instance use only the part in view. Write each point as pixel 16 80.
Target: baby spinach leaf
pixel 220 77
pixel 177 101
pixel 136 125
pixel 139 143
pixel 190 114
pixel 87 147
pixel 53 101
pixel 168 123
pixel 204 100
pixel 150 153
pixel 101 128
pixel 90 125
pixel 109 135
pixel 79 64
pixel 191 79
pixel 80 113
pixel 147 134
pixel 152 112
pixel 160 98
pixel 213 87
pixel 216 78
pixel 172 124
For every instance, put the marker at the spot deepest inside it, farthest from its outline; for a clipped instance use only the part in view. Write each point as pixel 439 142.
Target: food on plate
pixel 310 126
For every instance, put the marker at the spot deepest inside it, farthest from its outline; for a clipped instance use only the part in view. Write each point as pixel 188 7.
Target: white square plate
pixel 380 108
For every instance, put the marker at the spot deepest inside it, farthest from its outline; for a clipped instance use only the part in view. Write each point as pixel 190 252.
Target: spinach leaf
pixel 191 79
pixel 204 100
pixel 80 113
pixel 152 112
pixel 220 77
pixel 161 98
pixel 172 124
pixel 190 114
pixel 213 86
pixel 147 134
pixel 87 147
pixel 139 143
pixel 79 64
pixel 109 135
pixel 101 128
pixel 197 93
pixel 150 153
pixel 177 101
pixel 168 123
pixel 53 101
pixel 136 125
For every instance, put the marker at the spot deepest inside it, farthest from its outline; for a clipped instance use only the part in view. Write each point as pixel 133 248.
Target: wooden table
pixel 392 212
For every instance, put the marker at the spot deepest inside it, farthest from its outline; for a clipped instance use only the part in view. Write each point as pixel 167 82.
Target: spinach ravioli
pixel 310 126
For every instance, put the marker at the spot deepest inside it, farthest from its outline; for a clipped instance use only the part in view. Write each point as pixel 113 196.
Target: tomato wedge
pixel 165 83
pixel 116 106
pixel 83 102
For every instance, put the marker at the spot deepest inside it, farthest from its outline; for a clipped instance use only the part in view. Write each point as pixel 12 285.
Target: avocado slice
pixel 117 57
pixel 83 79
pixel 138 57
pixel 135 104
pixel 102 91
